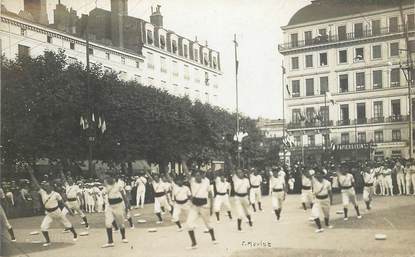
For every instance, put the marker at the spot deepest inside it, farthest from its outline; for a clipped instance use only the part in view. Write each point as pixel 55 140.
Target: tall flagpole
pixel 283 108
pixel 237 102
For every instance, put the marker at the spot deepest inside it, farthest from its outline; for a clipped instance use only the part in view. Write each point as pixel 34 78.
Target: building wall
pixel 146 68
pixel 334 69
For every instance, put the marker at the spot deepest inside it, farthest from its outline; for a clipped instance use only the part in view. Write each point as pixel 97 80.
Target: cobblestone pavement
pixel 292 236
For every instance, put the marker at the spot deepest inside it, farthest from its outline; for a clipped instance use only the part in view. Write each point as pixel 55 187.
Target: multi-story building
pixel 271 128
pixel 347 94
pixel 136 49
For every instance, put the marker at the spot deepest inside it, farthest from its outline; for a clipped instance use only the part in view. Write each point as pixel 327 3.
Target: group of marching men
pixel 199 200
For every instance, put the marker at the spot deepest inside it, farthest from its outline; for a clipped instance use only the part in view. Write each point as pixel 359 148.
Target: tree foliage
pixel 44 97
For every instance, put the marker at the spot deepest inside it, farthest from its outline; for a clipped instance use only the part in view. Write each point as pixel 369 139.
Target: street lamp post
pixel 237 102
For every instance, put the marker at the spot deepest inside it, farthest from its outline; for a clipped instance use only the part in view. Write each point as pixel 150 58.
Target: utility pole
pixel 237 102
pixel 90 132
pixel 409 69
pixel 283 108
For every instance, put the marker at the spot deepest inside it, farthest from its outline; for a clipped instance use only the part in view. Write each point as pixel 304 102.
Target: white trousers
pixel 242 206
pixel 74 206
pixel 3 219
pixel 178 209
pixel 368 193
pixel 221 200
pixel 320 208
pixel 307 196
pixel 161 202
pixel 348 196
pixel 198 211
pixel 115 212
pixel 388 183
pixel 276 200
pixel 255 195
pixel 400 179
pixel 140 197
pixel 57 215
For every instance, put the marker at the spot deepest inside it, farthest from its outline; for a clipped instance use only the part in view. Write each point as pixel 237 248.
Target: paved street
pixel 292 236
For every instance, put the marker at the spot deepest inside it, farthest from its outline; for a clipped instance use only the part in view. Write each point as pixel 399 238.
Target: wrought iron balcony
pixel 377 119
pixel 397 118
pixel 305 124
pixel 343 122
pixel 326 39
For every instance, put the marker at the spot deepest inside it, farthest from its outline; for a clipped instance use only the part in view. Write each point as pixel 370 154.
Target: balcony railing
pixel 397 118
pixel 325 39
pixel 343 122
pixel 304 124
pixel 377 119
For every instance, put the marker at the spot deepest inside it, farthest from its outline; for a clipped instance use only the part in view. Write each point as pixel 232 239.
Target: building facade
pixel 347 95
pixel 135 49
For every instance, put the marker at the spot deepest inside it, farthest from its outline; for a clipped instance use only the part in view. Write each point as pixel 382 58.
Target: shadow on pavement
pixel 26 248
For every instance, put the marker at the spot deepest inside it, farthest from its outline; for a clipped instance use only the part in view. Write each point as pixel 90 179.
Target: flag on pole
pixel 103 127
pixel 288 89
pixel 330 98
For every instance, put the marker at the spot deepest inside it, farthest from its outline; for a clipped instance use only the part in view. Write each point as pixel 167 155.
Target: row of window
pixel 342 56
pixel 344 85
pixel 197 73
pixel 311 115
pixel 182 50
pixel 359 30
pixel 360 137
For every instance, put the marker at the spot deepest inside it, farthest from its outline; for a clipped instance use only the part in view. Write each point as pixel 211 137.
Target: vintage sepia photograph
pixel 219 128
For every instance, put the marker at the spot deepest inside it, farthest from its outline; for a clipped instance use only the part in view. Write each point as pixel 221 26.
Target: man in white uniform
pixel 3 218
pixel 141 191
pixel 51 201
pixel 400 177
pixel 223 189
pixel 368 190
pixel 408 168
pixel 277 189
pixel 412 172
pixel 255 194
pixel 241 187
pixel 323 194
pixel 160 199
pixel 181 197
pixel 346 183
pixel 116 206
pixel 387 174
pixel 73 194
pixel 200 207
pixel 306 189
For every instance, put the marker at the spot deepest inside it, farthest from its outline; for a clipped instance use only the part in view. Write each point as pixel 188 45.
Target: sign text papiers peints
pixel 355 146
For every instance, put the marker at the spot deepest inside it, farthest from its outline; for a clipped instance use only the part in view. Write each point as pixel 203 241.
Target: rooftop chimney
pixel 156 18
pixel 119 10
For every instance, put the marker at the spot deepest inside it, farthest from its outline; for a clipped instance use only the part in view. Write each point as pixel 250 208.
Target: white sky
pixel 256 24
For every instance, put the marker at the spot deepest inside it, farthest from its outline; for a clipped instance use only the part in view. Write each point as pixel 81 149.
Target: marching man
pixel 306 189
pixel 241 187
pixel 3 218
pixel 181 197
pixel 160 199
pixel 223 189
pixel 51 201
pixel 73 194
pixel 346 183
pixel 255 193
pixel 141 191
pixel 116 206
pixel 277 189
pixel 324 198
pixel 200 207
pixel 368 190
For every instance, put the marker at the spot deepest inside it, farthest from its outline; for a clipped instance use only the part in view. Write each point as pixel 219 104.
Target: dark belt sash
pixel 368 184
pixel 276 190
pixel 255 186
pixel 322 197
pixel 72 199
pixel 218 193
pixel 306 187
pixel 182 202
pixel 52 209
pixel 346 187
pixel 114 200
pixel 241 195
pixel 199 201
pixel 159 194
